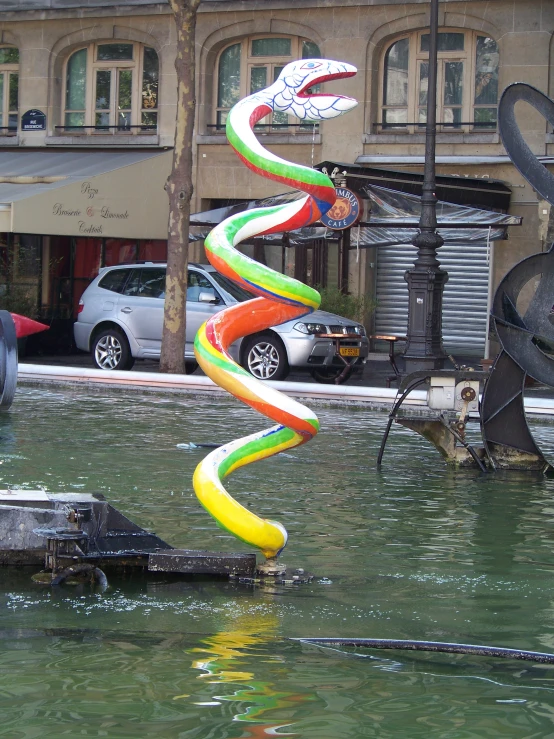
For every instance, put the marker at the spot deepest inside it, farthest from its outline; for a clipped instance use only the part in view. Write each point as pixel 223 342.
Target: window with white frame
pixel 9 89
pixel 252 64
pixel 467 82
pixel 111 87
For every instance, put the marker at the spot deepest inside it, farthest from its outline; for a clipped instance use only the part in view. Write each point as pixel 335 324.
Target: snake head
pixel 292 91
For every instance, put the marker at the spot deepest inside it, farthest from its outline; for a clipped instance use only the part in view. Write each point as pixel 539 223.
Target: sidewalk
pixel 374 373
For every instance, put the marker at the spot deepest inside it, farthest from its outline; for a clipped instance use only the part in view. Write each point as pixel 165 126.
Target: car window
pixel 133 283
pixel 198 283
pixel 152 283
pixel 115 280
pixel 146 283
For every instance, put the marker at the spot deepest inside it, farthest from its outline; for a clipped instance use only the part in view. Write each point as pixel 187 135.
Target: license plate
pixel 349 351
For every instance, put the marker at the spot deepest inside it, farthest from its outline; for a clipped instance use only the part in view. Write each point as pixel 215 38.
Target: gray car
pixel 120 319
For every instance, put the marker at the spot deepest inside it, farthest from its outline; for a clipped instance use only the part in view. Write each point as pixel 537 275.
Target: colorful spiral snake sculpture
pixel 281 298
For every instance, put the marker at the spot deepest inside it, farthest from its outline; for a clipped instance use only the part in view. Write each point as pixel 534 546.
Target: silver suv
pixel 120 319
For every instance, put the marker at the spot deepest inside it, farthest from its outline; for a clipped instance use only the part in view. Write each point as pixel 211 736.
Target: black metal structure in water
pixel 433 646
pixel 441 432
pixel 525 330
pixel 527 340
pixel 74 533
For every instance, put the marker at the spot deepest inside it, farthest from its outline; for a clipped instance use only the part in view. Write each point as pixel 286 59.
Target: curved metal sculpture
pixel 281 298
pixel 527 340
pixel 519 152
pixel 527 337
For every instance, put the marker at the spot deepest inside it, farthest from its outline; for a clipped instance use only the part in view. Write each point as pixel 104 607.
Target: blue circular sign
pixel 346 211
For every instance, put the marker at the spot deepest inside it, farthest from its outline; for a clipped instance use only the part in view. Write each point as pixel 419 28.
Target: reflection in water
pixel 224 653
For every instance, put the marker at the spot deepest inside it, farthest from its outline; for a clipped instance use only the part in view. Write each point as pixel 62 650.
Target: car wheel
pixel 191 367
pixel 328 376
pixel 265 357
pixel 110 350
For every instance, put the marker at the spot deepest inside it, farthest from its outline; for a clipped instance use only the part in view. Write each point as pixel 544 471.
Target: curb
pixel 379 397
pixel 39 373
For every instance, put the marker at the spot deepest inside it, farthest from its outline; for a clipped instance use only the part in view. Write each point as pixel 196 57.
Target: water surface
pixel 414 551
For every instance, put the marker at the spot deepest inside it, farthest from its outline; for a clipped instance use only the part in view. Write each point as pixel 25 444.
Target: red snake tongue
pixel 25 326
pixel 304 92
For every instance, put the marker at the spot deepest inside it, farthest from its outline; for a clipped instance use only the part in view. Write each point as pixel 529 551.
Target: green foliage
pixel 19 298
pixel 20 269
pixel 357 307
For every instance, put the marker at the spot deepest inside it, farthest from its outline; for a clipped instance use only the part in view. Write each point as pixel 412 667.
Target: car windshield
pixel 238 293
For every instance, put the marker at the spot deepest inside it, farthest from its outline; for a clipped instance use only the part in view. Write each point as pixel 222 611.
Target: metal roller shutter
pixel 464 316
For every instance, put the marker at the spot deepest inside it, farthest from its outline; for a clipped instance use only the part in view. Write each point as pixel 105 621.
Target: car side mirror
pixel 208 296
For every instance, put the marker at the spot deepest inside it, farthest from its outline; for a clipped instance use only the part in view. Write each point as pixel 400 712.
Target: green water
pixel 415 551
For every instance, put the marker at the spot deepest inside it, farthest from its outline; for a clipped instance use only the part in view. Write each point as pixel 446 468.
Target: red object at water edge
pixel 25 326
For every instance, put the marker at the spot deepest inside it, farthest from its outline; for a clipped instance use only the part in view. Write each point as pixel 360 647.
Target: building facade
pixel 87 119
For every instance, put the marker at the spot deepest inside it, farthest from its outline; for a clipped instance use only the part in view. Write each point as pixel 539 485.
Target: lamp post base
pixel 426 281
pixel 423 364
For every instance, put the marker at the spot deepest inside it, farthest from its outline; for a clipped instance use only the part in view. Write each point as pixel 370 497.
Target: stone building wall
pixel 47 31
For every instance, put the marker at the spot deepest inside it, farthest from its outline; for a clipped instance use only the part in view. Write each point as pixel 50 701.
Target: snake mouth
pixel 307 92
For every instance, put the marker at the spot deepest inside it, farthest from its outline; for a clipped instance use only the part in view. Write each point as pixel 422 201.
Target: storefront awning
pixel 117 194
pixel 476 192
pixel 390 217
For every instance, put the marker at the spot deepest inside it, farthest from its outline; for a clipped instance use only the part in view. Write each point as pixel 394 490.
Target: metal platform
pixel 58 530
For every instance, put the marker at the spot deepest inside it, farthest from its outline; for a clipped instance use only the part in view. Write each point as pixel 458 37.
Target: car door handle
pixel 127 310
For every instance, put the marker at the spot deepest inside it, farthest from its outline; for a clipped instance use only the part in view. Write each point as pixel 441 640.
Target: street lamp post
pixel 426 280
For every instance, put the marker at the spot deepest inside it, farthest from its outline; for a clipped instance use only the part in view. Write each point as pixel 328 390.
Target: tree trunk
pixel 179 189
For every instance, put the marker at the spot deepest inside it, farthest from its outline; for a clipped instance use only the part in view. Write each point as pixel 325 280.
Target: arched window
pixel 111 88
pixel 467 81
pixel 9 89
pixel 252 64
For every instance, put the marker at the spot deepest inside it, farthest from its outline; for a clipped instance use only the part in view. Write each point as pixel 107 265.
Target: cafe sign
pixel 90 218
pixel 346 211
pixel 124 202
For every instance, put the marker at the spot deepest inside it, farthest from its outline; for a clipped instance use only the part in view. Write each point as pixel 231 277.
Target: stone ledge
pixel 266 138
pixel 91 140
pixel 442 138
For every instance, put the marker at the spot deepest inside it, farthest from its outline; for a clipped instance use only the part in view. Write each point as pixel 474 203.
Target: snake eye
pixel 311 65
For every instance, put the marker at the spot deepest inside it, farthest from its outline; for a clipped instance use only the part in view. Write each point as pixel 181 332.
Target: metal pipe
pixel 464 443
pixel 433 646
pixel 392 415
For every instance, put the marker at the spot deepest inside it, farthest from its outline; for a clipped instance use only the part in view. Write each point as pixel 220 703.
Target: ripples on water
pixel 412 551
